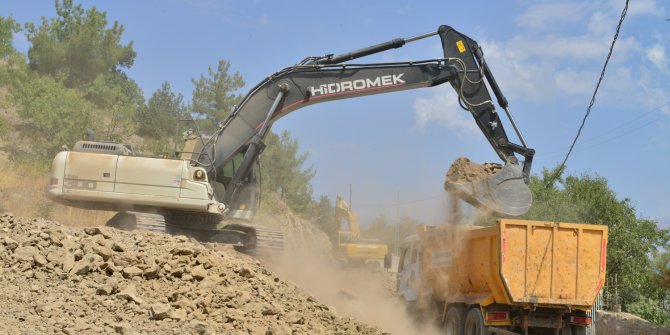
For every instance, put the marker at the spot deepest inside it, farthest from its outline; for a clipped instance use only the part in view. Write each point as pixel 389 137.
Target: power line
pixel 620 135
pixel 609 132
pixel 593 98
pixel 398 203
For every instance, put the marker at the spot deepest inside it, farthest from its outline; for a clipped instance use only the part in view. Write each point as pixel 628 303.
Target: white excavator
pixel 210 190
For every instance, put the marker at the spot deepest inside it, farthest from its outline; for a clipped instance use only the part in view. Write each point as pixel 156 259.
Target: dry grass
pixel 23 192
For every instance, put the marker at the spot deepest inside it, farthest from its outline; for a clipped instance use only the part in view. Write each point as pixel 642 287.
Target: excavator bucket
pixel 490 187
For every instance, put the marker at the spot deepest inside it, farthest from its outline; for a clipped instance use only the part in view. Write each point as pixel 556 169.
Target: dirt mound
pixel 300 235
pixel 463 170
pixel 610 323
pixel 60 279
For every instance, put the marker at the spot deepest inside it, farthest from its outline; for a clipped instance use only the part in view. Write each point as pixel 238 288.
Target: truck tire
pixel 474 323
pixel 454 321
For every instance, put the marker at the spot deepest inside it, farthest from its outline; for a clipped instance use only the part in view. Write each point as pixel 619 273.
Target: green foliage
pixel 283 172
pixel 551 203
pixel 323 216
pixel 57 115
pixel 662 269
pixel 650 310
pixel 76 46
pixel 8 27
pixel 4 127
pixel 119 100
pixel 589 199
pixel 10 59
pixel 153 147
pixel 390 233
pixel 214 96
pixel 160 117
pixel 75 64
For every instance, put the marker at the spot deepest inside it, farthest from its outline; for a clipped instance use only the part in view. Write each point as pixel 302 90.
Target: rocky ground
pixel 59 279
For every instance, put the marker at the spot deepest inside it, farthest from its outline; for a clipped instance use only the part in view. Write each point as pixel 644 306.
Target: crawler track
pixel 258 241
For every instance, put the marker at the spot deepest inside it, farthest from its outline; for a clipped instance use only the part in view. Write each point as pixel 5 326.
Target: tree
pixel 283 172
pixel 76 46
pixel 78 50
pixel 164 109
pixel 551 202
pixel 391 233
pixel 119 100
pixel 662 265
pixel 8 27
pixel 323 215
pixel 214 96
pixel 589 199
pixel 57 115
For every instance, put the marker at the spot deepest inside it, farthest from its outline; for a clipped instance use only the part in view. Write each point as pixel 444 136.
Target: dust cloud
pixel 364 293
pixel 367 293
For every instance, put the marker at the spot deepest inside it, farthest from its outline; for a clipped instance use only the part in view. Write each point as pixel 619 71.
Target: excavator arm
pixel 321 79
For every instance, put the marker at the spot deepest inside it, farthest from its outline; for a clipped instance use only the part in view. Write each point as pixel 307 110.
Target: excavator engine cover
pixel 490 187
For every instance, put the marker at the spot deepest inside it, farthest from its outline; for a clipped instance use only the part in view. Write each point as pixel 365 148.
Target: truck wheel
pixel 474 323
pixel 454 321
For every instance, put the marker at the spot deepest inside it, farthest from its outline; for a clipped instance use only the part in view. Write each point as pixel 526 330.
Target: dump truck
pixel 517 277
pixel 351 248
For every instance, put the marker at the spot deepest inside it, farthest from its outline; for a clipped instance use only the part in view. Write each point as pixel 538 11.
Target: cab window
pixel 403 258
pixel 228 171
pixel 414 254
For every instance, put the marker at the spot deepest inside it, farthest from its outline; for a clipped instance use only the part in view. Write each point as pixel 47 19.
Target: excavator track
pixel 258 241
pixel 269 242
pixel 149 221
pixel 131 220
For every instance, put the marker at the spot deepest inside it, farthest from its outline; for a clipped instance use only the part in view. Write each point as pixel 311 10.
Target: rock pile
pixel 57 279
pixel 463 170
pixel 610 323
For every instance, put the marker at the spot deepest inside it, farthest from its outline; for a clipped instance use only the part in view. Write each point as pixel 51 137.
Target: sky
pixel 396 148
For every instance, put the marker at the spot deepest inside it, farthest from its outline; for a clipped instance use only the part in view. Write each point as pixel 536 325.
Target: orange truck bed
pixel 516 262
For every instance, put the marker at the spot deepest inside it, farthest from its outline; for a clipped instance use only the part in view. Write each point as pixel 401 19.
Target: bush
pixel 650 310
pixel 57 115
pixel 4 127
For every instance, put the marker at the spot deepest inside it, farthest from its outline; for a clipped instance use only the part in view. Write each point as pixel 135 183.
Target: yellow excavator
pixel 350 247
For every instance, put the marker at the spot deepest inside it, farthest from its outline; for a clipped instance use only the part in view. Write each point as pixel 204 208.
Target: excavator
pixel 351 248
pixel 211 189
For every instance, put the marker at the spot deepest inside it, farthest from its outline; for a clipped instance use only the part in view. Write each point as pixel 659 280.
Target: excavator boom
pixel 321 79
